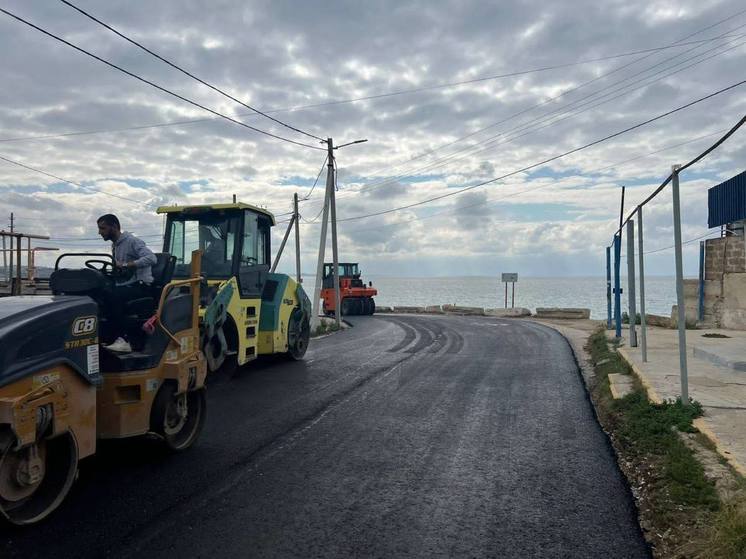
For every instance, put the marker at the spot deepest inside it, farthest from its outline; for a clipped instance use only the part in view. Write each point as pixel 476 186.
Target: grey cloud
pixel 258 50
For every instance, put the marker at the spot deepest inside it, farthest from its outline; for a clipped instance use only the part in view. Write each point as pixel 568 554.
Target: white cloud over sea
pixel 552 220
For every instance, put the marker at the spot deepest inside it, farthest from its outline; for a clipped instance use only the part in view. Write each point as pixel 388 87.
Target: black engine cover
pixel 38 332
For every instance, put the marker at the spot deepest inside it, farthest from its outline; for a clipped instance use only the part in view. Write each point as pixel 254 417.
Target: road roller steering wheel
pixel 105 267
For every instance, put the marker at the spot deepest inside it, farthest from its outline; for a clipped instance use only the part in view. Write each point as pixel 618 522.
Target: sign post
pixel 511 278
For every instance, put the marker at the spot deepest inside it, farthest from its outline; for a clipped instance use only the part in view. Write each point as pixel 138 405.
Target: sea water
pixel 473 291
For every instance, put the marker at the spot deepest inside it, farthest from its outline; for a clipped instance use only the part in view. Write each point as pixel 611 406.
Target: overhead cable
pixel 554 158
pixel 307 196
pixel 35 170
pixel 187 73
pixel 492 140
pixel 489 202
pixel 674 246
pixel 365 98
pixel 156 86
pixel 436 163
pixel 682 168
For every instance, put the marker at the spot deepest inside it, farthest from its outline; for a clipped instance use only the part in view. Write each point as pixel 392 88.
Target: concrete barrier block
pixel 408 310
pixel 657 320
pixel 559 312
pixel 468 311
pixel 384 309
pixel 691 317
pixel 517 312
pixel 434 309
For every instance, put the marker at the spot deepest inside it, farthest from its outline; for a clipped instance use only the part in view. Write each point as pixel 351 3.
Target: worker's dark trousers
pixel 119 327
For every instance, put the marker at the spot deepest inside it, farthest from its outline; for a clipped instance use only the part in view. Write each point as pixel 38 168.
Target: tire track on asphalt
pixel 236 472
pixel 409 335
pixel 457 342
pixel 426 338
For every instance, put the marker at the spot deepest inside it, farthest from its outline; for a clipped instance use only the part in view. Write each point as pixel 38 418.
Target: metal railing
pixel 616 245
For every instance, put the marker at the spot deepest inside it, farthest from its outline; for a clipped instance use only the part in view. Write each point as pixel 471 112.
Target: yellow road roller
pixel 246 310
pixel 61 390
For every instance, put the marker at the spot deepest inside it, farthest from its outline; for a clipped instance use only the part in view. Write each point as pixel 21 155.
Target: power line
pixel 674 246
pixel 668 179
pixel 369 97
pixel 152 84
pixel 449 209
pixel 436 163
pixel 488 142
pixel 35 170
pixel 307 196
pixel 543 122
pixel 185 72
pixel 554 158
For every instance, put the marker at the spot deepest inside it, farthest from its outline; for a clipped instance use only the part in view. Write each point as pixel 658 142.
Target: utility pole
pixel 294 222
pixel 680 284
pixel 335 253
pixel 298 277
pixel 329 204
pixel 631 299
pixel 282 245
pixel 643 319
pixel 617 282
pixel 322 237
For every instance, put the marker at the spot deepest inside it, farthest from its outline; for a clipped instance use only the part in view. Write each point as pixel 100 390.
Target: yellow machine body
pixel 50 418
pixel 248 311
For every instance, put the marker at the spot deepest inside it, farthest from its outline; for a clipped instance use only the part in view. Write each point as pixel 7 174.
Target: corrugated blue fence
pixel 726 202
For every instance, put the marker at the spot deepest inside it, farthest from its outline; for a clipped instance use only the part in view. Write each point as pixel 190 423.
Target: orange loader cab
pixel 355 297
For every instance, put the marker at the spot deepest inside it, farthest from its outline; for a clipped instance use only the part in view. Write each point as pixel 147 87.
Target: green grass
pixel 648 431
pixel 325 327
pixel 729 533
pixel 683 502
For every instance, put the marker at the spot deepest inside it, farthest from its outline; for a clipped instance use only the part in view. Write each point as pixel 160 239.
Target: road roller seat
pixel 176 316
pixel 77 281
pixel 163 270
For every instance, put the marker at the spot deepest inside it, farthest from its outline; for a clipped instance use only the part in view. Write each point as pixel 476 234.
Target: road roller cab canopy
pixel 234 239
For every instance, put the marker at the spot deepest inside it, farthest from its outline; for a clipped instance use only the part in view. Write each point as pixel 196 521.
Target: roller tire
pixel 298 336
pixel 60 457
pixel 178 433
pixel 348 307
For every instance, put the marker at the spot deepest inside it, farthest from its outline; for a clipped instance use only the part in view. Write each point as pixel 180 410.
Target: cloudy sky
pixel 130 147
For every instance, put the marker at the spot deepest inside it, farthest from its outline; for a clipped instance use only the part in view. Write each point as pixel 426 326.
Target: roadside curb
pixel 652 394
pixel 701 424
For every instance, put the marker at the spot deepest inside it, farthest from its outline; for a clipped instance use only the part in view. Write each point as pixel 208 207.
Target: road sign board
pixel 510 278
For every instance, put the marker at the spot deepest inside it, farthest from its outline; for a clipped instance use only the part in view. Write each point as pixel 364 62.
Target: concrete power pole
pixel 335 253
pixel 322 236
pixel 297 238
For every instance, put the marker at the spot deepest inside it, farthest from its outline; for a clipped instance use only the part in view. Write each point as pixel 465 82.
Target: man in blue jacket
pixel 129 252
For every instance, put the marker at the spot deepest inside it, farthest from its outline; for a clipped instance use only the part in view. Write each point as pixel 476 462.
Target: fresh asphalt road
pixel 414 436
